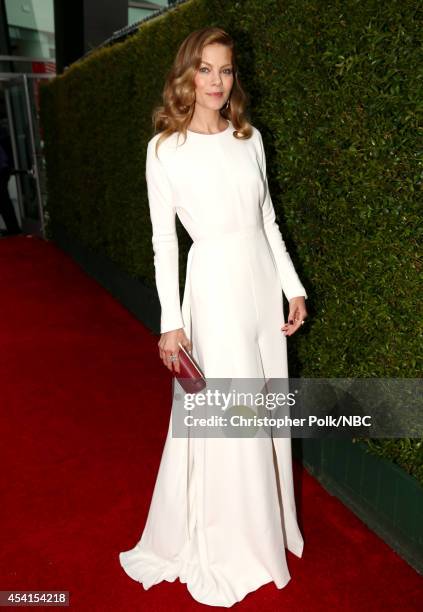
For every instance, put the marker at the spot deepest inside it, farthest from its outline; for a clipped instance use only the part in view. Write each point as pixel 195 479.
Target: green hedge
pixel 335 88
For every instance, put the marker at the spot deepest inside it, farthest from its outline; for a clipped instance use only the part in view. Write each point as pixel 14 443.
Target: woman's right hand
pixel 168 345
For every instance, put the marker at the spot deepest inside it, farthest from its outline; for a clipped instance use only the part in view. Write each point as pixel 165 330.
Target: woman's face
pixel 214 78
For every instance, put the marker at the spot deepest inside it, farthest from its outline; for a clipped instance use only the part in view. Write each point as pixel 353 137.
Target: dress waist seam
pixel 244 232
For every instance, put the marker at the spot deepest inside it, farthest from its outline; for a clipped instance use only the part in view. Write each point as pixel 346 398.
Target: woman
pixel 222 510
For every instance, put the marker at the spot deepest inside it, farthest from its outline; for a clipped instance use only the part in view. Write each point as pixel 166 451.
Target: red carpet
pixel 83 425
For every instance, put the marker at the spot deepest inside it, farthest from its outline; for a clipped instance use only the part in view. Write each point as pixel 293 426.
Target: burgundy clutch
pixel 190 376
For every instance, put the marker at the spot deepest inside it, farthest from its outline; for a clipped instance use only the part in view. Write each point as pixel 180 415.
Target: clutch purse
pixel 190 377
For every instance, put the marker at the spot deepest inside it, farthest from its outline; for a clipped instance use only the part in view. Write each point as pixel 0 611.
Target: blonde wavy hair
pixel 175 114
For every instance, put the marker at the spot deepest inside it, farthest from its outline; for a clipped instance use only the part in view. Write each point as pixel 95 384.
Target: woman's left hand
pixel 297 314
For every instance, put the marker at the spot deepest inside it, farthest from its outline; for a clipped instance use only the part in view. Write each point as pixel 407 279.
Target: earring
pixel 227 103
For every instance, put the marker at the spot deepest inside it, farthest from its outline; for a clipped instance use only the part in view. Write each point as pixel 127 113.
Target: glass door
pixel 21 101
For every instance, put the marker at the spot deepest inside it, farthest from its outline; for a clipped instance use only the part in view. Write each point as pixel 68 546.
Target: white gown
pixel 223 510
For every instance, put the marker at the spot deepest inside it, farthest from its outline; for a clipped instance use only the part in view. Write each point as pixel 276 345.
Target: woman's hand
pixel 168 345
pixel 297 313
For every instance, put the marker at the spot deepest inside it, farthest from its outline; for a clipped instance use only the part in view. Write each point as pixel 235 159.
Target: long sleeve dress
pixel 223 510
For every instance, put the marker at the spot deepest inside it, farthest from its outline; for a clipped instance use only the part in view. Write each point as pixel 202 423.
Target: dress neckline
pixel 214 133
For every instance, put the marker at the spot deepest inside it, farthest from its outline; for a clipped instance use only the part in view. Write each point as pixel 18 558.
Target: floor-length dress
pixel 223 510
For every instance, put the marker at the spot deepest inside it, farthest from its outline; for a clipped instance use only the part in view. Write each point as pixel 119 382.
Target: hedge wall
pixel 335 88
